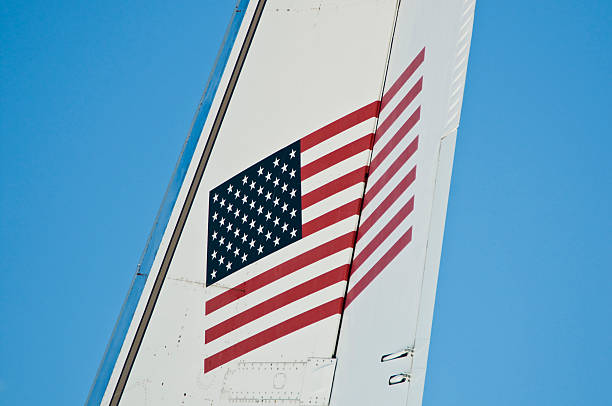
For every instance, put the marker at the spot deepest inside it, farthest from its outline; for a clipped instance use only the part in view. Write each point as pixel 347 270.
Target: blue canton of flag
pixel 254 214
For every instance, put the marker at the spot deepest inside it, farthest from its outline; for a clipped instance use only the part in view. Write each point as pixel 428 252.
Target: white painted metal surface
pixel 308 65
pixel 267 333
pixel 395 310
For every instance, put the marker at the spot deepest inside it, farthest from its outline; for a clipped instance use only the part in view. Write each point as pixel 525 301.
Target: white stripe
pixel 276 317
pixel 338 141
pixel 334 172
pixel 333 202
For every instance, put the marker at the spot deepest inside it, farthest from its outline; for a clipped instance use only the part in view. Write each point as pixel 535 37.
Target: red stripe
pixel 383 234
pixel 392 143
pixel 417 61
pixel 279 271
pixel 379 266
pixel 278 301
pixel 393 169
pixel 342 124
pixel 273 333
pixel 332 217
pixel 336 156
pixel 333 187
pixel 399 109
pixel 384 206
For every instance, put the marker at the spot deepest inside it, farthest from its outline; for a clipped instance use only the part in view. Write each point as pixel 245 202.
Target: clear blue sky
pixel 96 99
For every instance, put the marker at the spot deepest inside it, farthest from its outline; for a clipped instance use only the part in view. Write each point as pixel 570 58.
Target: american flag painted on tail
pixel 281 235
pixel 385 226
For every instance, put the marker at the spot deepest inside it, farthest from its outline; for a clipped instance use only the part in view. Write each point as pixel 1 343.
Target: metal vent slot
pixel 398 354
pixel 399 378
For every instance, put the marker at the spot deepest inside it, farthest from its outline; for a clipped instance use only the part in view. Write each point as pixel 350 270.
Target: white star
pixel 260 249
pixel 236 213
pixel 268 176
pixel 268 235
pixel 284 227
pixel 245 218
pixel 292 192
pixel 237 194
pixel 268 196
pixel 293 232
pixel 214 235
pixel 284 187
pixel 252 185
pixel 244 199
pixel 276 180
pixel 245 179
pixel 230 188
pixel 213 274
pixel 292 213
pixel 214 254
pixel 252 224
pixel 275 221
pixel 221 240
pixel 276 200
pixel 215 216
pixel 260 190
pixel 260 171
pixel 229 246
pixel 229 227
pixel 292 153
pixel 260 229
pixel 268 215
pixel 292 173
pixel 260 210
pixel 276 162
pixel 222 202
pixel 229 207
pixel 244 237
pixel 284 168
pixel 229 265
pixel 215 197
pixel 244 257
pixel 276 240
pixel 236 252
pixel 236 232
pixel 284 207
pixel 221 260
pixel 252 243
pixel 252 204
pixel 222 221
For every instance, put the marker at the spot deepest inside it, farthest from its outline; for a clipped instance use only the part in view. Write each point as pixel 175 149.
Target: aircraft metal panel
pixel 394 272
pixel 309 65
